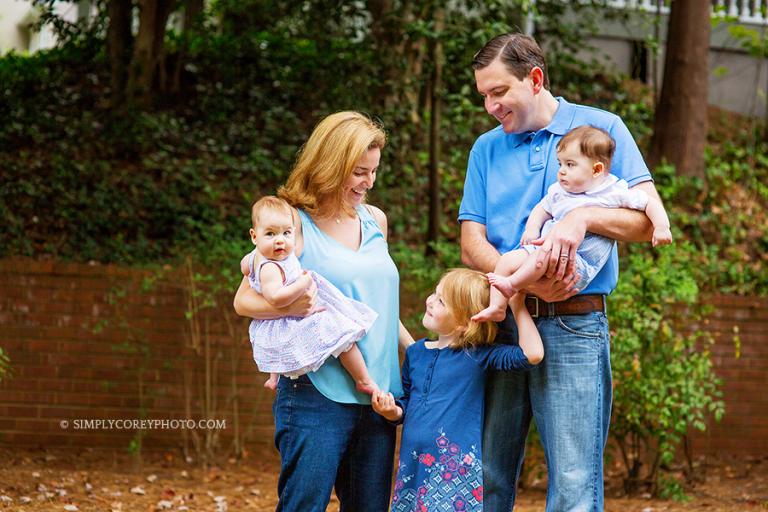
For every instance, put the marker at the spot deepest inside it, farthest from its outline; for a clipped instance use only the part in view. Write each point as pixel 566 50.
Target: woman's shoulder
pixel 378 215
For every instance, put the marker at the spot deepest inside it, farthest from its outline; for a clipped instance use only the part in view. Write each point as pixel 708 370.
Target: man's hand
pixel 558 247
pixel 554 290
pixel 384 404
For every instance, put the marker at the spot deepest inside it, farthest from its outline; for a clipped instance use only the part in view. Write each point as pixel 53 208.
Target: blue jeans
pixel 569 397
pixel 324 444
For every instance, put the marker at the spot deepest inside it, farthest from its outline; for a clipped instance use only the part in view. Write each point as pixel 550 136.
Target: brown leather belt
pixel 576 305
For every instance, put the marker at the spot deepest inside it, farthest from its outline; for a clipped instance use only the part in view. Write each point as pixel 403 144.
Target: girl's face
pixel 438 317
pixel 274 236
pixel 362 178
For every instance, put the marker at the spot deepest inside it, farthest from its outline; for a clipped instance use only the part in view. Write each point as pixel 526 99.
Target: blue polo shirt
pixel 508 174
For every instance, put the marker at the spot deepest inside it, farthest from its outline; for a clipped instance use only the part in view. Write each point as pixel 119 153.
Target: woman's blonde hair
pixel 467 292
pixel 327 160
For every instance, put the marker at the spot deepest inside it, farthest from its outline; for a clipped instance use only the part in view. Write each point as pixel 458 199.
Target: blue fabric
pixel 509 173
pixel 440 452
pixel 367 275
pixel 569 396
pixel 323 443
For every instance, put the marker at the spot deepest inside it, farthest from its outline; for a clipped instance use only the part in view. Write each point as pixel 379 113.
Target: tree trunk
pixel 680 126
pixel 119 40
pixel 148 50
pixel 433 230
pixel 193 14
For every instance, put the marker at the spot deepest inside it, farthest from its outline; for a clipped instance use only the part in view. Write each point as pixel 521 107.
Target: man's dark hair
pixel 518 52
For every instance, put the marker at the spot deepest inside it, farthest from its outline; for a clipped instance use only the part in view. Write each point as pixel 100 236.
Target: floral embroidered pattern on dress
pixel 453 480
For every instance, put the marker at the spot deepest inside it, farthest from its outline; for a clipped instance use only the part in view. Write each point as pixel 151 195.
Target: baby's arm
pixel 661 233
pixel 535 222
pixel 527 333
pixel 271 278
pixel 245 264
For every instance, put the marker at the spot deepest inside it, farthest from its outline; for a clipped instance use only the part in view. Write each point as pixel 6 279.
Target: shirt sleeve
pixel 405 375
pixel 501 357
pixel 627 162
pixel 474 199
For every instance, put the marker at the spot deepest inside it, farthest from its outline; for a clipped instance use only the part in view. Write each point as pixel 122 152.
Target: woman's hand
pixel 384 404
pixel 305 304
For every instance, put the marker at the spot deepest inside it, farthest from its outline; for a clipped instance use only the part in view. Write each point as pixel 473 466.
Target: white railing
pixel 753 12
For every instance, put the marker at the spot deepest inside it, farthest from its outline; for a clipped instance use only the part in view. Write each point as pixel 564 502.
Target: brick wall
pixel 743 429
pixel 80 351
pixel 69 365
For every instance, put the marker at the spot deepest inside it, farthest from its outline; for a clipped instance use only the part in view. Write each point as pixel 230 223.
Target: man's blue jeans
pixel 324 444
pixel 569 397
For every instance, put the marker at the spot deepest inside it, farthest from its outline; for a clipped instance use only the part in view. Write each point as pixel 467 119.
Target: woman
pixel 326 432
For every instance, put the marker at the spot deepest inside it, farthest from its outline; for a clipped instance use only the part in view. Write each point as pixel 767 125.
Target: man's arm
pixel 476 251
pixel 623 224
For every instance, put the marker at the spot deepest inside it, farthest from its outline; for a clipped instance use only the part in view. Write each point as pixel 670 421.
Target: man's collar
pixel 560 124
pixel 563 118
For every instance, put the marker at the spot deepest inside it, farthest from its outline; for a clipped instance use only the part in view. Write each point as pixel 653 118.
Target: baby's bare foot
pixel 490 314
pixel 502 284
pixel 271 382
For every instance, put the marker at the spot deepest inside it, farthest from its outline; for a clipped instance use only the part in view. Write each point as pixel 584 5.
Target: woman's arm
pixel 404 337
pixel 249 303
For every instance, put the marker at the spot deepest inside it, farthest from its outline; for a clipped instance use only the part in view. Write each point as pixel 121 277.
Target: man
pixel 510 169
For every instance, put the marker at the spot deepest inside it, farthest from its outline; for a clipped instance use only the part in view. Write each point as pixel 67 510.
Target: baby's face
pixel 577 173
pixel 274 236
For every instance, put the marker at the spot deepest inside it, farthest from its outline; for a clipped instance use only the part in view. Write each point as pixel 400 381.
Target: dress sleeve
pixel 501 357
pixel 405 373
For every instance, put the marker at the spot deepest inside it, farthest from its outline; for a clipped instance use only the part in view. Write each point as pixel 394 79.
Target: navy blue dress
pixel 440 451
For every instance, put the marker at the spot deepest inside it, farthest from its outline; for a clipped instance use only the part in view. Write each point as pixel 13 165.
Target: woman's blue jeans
pixel 569 397
pixel 325 444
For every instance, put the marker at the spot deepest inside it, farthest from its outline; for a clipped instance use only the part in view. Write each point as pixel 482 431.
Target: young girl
pixel 294 346
pixel 443 388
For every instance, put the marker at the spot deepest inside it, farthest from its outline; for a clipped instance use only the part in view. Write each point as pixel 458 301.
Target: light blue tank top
pixel 370 276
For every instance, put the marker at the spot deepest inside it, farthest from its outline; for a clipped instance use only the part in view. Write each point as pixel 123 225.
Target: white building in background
pixel 17 18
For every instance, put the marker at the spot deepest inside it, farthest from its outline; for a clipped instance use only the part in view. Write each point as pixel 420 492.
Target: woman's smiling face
pixel 362 178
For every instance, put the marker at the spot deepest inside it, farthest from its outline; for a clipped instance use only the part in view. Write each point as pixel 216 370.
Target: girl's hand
pixel 384 404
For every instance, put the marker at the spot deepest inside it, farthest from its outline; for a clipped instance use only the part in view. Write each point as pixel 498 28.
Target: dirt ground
pixel 89 480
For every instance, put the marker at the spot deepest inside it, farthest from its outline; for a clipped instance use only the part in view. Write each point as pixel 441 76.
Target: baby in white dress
pixel 293 346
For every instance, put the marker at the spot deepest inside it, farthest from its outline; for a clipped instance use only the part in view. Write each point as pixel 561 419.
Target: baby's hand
pixel 384 404
pixel 661 236
pixel 304 280
pixel 244 267
pixel 529 235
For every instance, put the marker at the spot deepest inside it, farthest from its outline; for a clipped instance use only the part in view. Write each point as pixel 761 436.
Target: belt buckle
pixel 535 315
